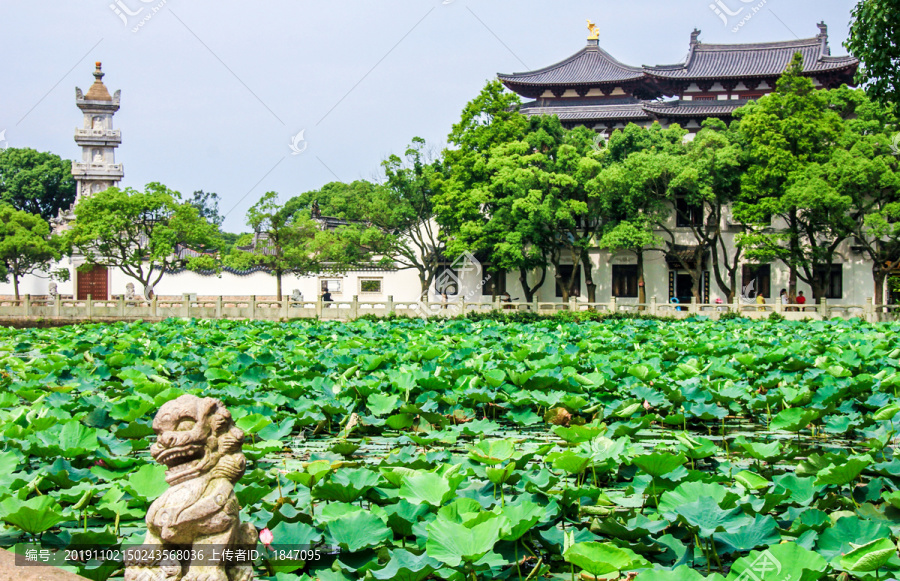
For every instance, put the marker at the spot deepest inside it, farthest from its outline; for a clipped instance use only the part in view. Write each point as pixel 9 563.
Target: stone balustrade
pixel 270 308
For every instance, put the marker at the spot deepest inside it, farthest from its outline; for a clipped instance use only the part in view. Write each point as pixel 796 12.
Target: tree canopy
pixel 35 182
pixel 141 233
pixel 873 40
pixel 287 239
pixel 26 247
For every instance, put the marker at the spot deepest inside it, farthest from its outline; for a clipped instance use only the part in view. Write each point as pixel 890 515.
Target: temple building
pixel 594 89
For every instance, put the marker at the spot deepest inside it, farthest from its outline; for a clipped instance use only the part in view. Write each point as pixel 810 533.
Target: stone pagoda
pixel 97 169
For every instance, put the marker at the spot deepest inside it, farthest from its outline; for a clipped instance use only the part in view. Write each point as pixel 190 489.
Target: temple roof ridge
pixel 587 63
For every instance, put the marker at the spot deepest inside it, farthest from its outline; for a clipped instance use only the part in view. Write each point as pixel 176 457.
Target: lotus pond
pixel 417 450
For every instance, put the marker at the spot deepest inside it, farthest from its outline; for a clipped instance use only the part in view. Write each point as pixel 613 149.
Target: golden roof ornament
pixel 593 31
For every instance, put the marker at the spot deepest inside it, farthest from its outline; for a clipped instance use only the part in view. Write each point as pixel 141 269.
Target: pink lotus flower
pixel 100 463
pixel 266 537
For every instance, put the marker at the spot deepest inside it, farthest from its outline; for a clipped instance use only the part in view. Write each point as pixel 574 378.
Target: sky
pixel 216 93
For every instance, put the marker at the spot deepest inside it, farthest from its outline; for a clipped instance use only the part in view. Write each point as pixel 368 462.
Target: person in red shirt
pixel 801 300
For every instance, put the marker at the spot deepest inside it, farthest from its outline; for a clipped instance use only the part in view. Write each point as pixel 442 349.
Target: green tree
pixel 26 246
pixel 793 212
pixel 207 204
pixel 141 233
pixel 36 182
pixel 477 207
pixel 655 182
pixel 632 234
pixel 282 243
pixel 393 220
pixel 709 183
pixel 864 167
pixel 873 40
pixel 287 239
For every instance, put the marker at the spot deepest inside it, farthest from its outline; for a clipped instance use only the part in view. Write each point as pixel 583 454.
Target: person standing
pixel 784 299
pixel 760 300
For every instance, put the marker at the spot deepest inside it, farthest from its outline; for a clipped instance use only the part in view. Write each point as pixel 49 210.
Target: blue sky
pixel 214 92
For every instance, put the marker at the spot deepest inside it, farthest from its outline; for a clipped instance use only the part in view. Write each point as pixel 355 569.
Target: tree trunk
pixel 278 284
pixel 792 283
pixel 523 280
pixel 642 290
pixel 16 285
pixel 423 286
pixel 879 274
pixel 587 267
pixel 559 281
pixel 530 291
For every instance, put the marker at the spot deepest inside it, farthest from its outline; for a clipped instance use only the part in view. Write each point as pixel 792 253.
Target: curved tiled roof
pixel 567 110
pixel 753 60
pixel 593 66
pixel 590 65
pixel 695 108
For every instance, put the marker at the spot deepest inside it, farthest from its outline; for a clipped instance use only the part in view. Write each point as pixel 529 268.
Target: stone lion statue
pixel 197 517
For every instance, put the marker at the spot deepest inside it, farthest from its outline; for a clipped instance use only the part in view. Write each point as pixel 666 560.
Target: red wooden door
pixel 93 282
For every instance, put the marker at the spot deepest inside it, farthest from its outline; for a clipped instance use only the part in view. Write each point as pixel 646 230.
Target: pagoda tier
pixel 589 72
pixel 594 89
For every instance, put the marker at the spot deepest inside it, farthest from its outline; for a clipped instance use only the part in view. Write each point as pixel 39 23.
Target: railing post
pixel 654 307
pixel 823 308
pixel 779 306
pixel 870 309
pixel 354 307
pixel 572 304
pixel 613 306
pixel 535 304
pixel 693 308
pixel 57 303
pixel 90 307
pixel 496 303
pixel 121 306
pixel 285 306
pixel 390 305
pixel 27 305
pixel 462 305
pixel 253 308
pixel 186 303
pixel 319 307
pixel 736 304
pixel 153 306
pixel 219 307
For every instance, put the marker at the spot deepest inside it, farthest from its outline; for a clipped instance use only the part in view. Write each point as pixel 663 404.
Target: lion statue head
pixel 195 436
